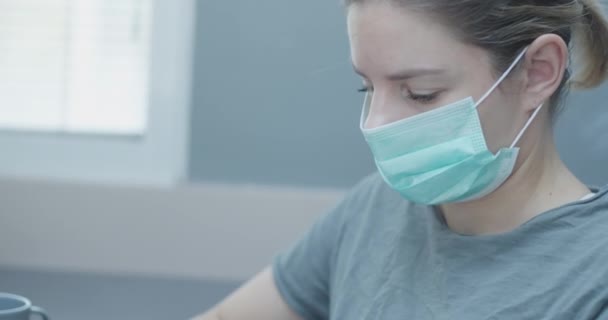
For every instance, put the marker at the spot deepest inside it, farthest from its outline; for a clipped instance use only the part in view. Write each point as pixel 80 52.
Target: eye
pixel 423 98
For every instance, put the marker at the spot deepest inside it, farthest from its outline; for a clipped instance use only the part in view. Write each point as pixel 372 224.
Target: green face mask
pixel 441 156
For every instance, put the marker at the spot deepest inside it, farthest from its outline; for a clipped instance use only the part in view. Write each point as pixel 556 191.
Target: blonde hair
pixel 504 28
pixel 593 42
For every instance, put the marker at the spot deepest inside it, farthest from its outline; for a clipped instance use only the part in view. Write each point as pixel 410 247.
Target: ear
pixel 545 66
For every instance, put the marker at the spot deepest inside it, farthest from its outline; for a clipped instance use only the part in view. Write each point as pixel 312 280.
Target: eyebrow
pixel 406 74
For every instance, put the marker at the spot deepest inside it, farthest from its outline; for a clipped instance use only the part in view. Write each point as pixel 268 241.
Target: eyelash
pixel 424 98
pixel 421 98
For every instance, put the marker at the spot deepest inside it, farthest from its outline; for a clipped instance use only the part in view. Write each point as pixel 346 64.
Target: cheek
pixel 498 117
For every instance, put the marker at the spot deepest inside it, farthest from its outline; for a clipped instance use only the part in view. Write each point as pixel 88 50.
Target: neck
pixel 540 182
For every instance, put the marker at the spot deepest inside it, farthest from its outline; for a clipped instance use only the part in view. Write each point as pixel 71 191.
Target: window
pixel 73 65
pixel 98 90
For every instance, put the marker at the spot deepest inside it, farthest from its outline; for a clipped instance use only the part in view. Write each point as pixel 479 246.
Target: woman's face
pixel 411 64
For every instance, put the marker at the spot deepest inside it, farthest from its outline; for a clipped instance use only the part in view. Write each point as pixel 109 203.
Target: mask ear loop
pixel 502 78
pixel 528 123
pixel 365 111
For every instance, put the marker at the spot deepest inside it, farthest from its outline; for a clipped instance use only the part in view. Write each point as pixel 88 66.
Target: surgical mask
pixel 441 156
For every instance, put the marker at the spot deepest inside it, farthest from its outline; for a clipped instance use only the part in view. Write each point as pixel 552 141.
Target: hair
pixel 505 27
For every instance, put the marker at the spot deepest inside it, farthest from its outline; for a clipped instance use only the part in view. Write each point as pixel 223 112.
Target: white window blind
pixel 74 65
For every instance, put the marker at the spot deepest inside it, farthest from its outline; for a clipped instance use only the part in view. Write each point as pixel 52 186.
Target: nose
pixel 375 120
pixel 383 111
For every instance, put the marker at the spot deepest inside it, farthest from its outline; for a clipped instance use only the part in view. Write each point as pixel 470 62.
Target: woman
pixel 473 215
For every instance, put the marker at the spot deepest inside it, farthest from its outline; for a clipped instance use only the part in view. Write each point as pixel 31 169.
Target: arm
pixel 257 299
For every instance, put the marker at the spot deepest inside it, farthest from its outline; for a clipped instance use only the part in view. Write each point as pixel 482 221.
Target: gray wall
pixel 275 102
pixel 275 97
pixel 582 135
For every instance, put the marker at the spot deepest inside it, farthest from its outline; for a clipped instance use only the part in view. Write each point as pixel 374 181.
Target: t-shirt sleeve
pixel 303 273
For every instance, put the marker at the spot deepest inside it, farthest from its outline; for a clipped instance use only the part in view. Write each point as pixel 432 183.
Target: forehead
pixel 390 20
pixel 383 35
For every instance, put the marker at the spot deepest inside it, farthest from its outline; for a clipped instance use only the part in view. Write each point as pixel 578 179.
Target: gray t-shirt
pixel 378 256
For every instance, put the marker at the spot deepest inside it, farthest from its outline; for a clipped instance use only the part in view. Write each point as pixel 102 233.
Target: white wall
pixel 202 231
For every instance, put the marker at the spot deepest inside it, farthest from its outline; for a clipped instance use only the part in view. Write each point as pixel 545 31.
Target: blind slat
pixel 74 65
